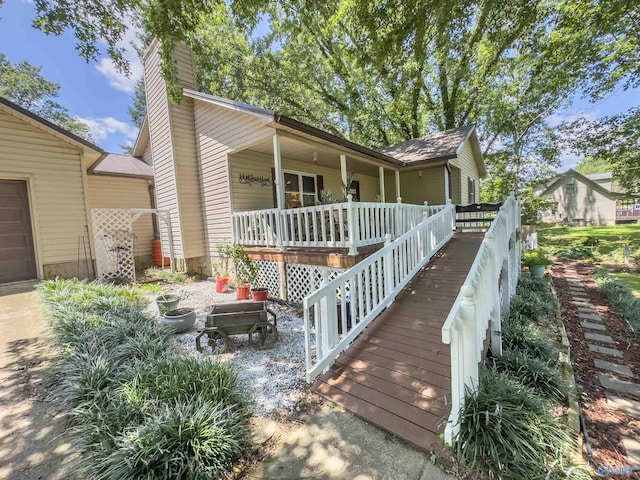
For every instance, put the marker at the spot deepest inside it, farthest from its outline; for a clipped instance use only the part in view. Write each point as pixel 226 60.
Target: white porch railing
pixel 343 307
pixel 347 225
pixel 479 302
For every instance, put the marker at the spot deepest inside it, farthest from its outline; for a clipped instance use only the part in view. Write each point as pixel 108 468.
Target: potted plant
pixel 536 261
pixel 246 271
pixel 221 268
pixel 167 302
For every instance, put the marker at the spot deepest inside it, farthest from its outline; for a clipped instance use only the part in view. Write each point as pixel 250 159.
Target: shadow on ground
pixel 33 439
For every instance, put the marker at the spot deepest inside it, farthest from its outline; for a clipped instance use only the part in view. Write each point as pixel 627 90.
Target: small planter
pixel 259 294
pixel 180 319
pixel 167 302
pixel 242 291
pixel 537 271
pixel 222 284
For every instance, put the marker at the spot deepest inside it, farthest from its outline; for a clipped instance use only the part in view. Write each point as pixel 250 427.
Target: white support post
pixel 388 267
pixel 398 183
pixel 495 323
pixel 277 163
pixel 469 337
pixel 381 174
pixel 344 174
pixel 447 193
pixel 352 226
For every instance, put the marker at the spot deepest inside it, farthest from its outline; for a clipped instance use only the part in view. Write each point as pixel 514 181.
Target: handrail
pixel 342 308
pixel 345 225
pixel 479 304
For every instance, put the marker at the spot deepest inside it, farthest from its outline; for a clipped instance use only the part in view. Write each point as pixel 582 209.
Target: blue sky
pixel 96 93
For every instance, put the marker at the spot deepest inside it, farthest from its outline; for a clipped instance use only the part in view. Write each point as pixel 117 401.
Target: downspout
pixel 154 218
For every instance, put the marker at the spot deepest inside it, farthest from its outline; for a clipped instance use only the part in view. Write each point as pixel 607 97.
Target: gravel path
pixel 273 380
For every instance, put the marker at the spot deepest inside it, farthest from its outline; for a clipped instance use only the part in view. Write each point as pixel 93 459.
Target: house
pixel 587 200
pixel 448 164
pixel 233 172
pixel 50 179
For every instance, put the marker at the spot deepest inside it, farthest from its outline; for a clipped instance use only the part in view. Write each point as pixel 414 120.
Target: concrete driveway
pixel 33 442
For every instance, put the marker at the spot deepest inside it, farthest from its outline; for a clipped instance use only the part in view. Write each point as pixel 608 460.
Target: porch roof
pixel 273 119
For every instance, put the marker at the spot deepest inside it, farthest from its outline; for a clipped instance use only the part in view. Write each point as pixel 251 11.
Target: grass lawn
pixel 611 238
pixel 631 280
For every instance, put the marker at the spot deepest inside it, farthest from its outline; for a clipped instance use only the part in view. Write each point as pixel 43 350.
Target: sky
pixel 96 93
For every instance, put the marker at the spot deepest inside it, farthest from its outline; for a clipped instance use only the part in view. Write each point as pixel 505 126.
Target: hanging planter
pixel 180 319
pixel 167 302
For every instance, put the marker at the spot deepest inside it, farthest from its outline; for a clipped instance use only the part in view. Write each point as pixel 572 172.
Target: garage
pixel 17 253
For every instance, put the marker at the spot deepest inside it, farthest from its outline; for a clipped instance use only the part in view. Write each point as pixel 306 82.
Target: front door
pixel 17 254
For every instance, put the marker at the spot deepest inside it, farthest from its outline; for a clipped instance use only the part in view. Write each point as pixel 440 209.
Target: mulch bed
pixel 605 425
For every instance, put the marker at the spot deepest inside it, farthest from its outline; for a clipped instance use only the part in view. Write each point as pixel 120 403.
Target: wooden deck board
pixel 396 374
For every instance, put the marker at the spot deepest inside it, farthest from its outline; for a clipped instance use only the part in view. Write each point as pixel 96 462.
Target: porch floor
pixel 396 374
pixel 329 257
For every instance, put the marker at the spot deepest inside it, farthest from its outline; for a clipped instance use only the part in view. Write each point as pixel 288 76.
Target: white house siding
pixel 162 149
pixel 418 186
pixel 119 192
pixel 53 170
pixel 585 206
pixel 218 132
pixel 468 169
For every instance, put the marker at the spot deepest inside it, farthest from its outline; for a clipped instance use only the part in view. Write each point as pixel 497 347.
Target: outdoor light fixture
pixel 315 157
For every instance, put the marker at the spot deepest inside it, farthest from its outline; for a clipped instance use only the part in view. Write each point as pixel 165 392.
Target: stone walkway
pixel 615 378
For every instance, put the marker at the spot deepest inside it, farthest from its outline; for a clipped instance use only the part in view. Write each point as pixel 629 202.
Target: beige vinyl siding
pixel 585 206
pixel 468 169
pixel 456 187
pixel 54 172
pixel 219 131
pixel 162 148
pixel 147 156
pixel 118 192
pixel 417 189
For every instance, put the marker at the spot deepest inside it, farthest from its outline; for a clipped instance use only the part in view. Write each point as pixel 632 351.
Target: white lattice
pixel 113 235
pixel 269 277
pixel 304 279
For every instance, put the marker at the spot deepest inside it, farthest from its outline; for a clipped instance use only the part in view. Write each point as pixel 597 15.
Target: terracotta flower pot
pixel 242 291
pixel 222 284
pixel 259 294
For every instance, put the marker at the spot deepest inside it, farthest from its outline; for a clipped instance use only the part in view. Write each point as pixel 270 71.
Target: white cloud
pixel 119 80
pixel 101 128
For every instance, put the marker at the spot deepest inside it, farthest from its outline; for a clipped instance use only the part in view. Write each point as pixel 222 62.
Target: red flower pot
pixel 242 291
pixel 222 284
pixel 259 294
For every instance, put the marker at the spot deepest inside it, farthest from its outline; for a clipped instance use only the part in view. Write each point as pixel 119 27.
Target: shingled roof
pixel 119 165
pixel 431 148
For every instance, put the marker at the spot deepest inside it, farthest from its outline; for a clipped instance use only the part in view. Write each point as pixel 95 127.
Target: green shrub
pixel 533 373
pixel 535 257
pixel 507 432
pixel 155 273
pixel 621 297
pixel 530 340
pixel 141 408
pixel 576 253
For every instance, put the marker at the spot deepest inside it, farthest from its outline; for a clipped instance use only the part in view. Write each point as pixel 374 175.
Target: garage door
pixel 17 258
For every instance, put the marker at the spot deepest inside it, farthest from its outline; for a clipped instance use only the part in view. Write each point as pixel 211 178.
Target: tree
pixel 24 85
pixel 589 165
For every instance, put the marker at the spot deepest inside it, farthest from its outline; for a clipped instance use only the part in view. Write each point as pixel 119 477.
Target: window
pixel 299 189
pixel 570 187
pixel 472 190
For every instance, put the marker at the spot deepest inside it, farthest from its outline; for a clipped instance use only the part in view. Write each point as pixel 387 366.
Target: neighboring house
pixel 229 171
pixel 49 181
pixel 585 199
pixel 443 165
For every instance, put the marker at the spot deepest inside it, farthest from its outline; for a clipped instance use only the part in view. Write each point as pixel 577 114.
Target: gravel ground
pixel 273 379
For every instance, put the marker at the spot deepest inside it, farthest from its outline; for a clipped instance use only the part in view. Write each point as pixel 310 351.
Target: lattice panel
pixel 305 279
pixel 113 235
pixel 269 277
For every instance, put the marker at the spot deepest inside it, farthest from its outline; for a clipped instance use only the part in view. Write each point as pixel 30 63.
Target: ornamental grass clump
pixel 141 408
pixel 508 432
pixel 621 297
pixel 529 339
pixel 533 373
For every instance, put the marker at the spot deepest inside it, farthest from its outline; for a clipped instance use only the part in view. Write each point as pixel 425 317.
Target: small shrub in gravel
pixel 142 410
pixel 533 373
pixel 508 432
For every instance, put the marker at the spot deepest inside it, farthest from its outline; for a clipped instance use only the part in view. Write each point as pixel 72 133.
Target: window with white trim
pixel 471 191
pixel 299 189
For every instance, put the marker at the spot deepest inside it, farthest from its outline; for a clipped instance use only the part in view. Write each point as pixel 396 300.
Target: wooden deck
pixel 396 374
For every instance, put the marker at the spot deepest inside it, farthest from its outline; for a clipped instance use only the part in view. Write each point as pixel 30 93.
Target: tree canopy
pixel 24 85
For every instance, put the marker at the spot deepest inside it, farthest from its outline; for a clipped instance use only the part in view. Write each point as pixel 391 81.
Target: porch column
pixel 398 184
pixel 277 163
pixel 447 193
pixel 381 173
pixel 343 173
